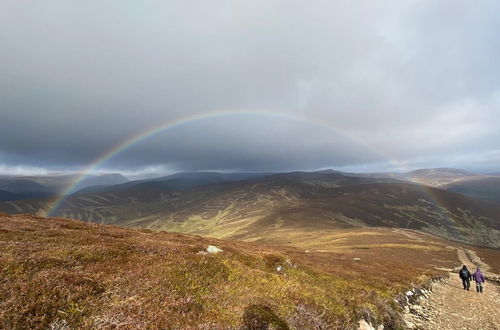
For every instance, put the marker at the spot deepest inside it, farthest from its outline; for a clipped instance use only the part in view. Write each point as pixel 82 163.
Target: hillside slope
pixel 178 181
pixel 55 183
pixel 438 177
pixel 10 196
pixel 483 188
pixel 65 273
pixel 252 209
pixel 21 185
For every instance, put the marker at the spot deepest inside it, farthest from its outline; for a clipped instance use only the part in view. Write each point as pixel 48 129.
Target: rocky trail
pixel 449 306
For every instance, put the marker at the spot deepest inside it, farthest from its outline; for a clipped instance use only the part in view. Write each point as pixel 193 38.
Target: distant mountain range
pixel 55 184
pixel 475 185
pixel 482 188
pixel 440 177
pixel 456 180
pixel 184 180
pixel 259 206
pixel 10 196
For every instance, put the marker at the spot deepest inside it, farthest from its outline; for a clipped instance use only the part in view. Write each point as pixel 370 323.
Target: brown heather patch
pixel 490 256
pixel 67 273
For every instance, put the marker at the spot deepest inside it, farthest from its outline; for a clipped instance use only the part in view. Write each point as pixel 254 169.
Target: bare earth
pixel 449 306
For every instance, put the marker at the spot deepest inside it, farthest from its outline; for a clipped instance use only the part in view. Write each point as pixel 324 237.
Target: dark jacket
pixel 465 274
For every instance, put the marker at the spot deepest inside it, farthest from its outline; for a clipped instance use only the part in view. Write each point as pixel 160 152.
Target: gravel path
pixel 449 306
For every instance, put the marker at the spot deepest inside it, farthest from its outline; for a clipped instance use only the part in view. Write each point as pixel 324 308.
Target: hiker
pixel 466 277
pixel 479 279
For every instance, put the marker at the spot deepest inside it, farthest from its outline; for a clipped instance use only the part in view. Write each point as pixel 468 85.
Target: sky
pixel 272 85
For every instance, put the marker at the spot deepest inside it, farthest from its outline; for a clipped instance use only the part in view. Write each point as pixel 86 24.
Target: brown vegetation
pixel 67 273
pixel 490 257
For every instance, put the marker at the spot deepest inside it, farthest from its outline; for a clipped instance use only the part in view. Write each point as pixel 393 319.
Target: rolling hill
pixel 55 183
pixel 475 185
pixel 177 181
pixel 21 185
pixel 483 188
pixel 10 196
pixel 256 209
pixel 438 177
pixel 433 177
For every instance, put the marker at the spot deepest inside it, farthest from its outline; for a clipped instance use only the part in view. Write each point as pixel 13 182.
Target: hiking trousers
pixel 479 287
pixel 466 283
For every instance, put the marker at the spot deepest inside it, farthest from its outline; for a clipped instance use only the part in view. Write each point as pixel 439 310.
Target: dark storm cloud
pixel 415 80
pixel 247 142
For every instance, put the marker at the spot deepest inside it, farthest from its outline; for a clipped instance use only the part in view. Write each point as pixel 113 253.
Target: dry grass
pixel 489 256
pixel 65 273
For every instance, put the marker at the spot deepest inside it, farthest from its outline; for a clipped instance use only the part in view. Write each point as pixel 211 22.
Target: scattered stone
pixel 59 325
pixel 363 325
pixel 416 308
pixel 279 269
pixel 409 325
pixel 356 259
pixel 307 251
pixel 409 293
pixel 213 249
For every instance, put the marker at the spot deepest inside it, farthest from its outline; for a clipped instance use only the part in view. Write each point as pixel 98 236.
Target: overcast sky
pixel 365 85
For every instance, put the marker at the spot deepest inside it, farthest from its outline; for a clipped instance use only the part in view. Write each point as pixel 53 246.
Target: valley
pixel 255 209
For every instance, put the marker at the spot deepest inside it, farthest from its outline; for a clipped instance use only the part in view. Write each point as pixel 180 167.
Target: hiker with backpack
pixel 466 277
pixel 479 279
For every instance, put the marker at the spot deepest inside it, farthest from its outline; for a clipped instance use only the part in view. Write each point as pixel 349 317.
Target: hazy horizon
pixel 131 176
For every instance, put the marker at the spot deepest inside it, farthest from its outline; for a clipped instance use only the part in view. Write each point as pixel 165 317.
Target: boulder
pixel 363 325
pixel 213 249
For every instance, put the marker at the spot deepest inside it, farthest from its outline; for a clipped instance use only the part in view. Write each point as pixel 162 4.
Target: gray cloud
pixel 415 82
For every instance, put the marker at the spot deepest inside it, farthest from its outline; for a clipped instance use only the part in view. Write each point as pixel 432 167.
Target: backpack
pixel 464 273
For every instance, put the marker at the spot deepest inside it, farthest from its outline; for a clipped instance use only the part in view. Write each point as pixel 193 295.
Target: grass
pixel 489 256
pixel 65 273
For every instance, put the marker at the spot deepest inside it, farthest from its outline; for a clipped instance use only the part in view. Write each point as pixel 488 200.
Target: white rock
pixel 213 249
pixel 307 251
pixel 279 269
pixel 409 293
pixel 356 259
pixel 363 325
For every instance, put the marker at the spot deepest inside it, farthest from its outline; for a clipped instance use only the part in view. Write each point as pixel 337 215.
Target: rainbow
pixel 52 207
